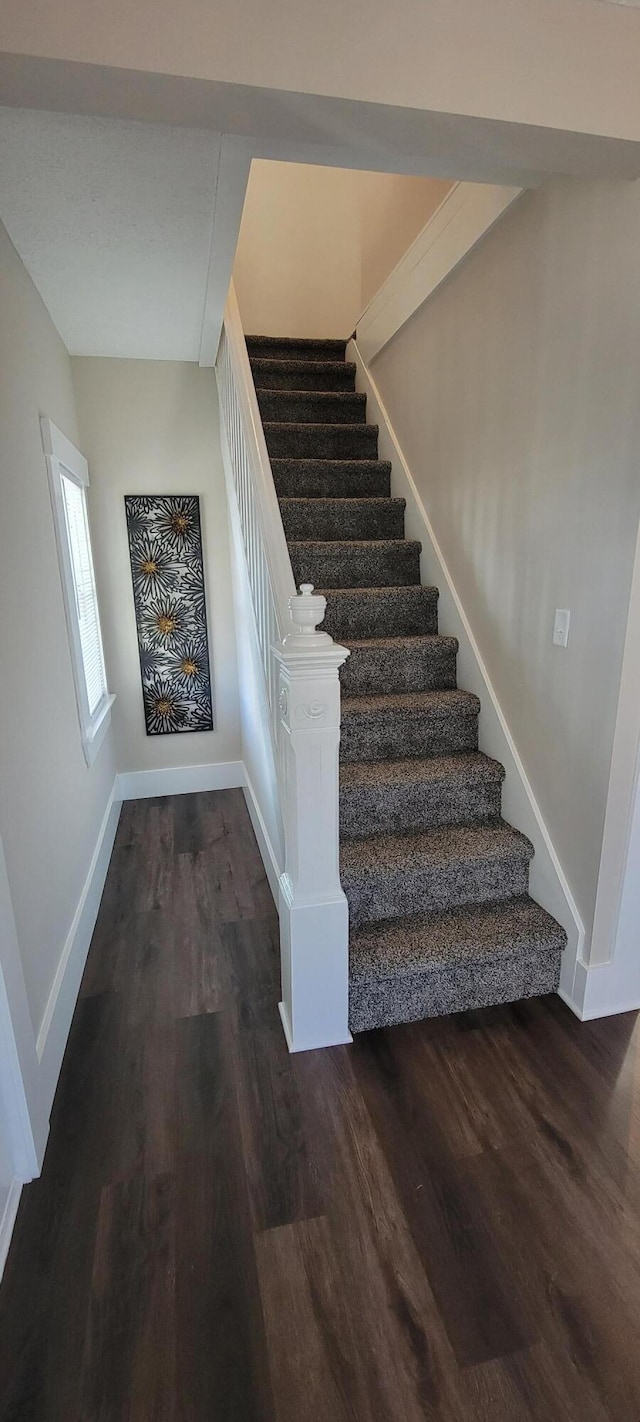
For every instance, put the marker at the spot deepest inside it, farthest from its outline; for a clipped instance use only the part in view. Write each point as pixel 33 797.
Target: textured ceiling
pixel 113 222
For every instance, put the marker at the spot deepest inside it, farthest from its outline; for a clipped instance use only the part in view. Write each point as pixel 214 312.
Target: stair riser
pixel 309 408
pixel 387 893
pixel 400 737
pixel 403 612
pixel 371 672
pixel 322 479
pixel 343 518
pixel 321 441
pixel 276 348
pixel 303 375
pixel 397 808
pixel 450 988
pixel 356 568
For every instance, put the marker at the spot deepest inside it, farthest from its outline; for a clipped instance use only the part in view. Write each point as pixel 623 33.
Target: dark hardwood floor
pixel 440 1222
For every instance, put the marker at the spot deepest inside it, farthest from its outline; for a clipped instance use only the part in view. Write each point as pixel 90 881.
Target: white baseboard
pixel 596 1003
pixel 8 1221
pixel 603 989
pixel 609 1009
pixel 180 780
pixel 267 851
pixel 286 1025
pixel 549 883
pixel 574 980
pixel 307 1046
pixel 54 1029
pixel 571 1002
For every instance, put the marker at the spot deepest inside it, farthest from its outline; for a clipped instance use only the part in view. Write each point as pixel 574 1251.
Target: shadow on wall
pixel 316 243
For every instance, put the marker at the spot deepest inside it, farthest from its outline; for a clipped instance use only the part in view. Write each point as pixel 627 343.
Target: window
pixel 69 481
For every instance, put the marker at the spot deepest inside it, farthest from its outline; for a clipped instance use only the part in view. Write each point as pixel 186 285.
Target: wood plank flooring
pixel 440 1222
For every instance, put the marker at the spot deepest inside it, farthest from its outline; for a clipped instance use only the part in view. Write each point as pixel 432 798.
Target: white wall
pixel 513 392
pixel 297 265
pixel 152 427
pixel 44 781
pixel 392 210
pixel 315 243
pixel 548 62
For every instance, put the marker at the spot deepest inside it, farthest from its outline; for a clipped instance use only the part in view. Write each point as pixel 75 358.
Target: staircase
pixel 437 882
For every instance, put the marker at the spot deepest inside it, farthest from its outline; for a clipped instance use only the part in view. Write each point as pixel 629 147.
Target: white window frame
pixel 63 459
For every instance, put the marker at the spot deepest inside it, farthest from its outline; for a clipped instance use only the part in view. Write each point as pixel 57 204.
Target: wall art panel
pixel 165 546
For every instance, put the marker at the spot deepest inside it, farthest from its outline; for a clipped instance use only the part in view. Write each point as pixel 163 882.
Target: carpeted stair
pixel 437 882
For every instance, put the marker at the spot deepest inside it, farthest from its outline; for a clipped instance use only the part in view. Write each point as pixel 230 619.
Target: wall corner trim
pixel 56 1022
pixel 180 780
pixel 464 216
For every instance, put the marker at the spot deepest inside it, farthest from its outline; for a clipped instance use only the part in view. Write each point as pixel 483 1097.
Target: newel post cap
pixel 305 651
pixel 307 612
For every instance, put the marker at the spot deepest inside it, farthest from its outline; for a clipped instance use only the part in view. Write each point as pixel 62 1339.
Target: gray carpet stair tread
pixel 403 725
pixel 355 563
pixel 373 612
pixel 410 643
pixel 418 593
pixel 355 520
pixel 337 479
pixel 344 505
pixel 401 947
pixel 344 467
pixel 436 703
pixel 463 767
pixel 333 546
pixel 408 664
pixel 393 875
pixel 274 374
pixel 295 348
pixel 319 427
pixel 313 406
pixel 291 439
pixel 434 849
pixel 405 795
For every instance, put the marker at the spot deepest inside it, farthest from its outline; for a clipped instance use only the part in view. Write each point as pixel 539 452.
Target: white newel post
pixel 314 917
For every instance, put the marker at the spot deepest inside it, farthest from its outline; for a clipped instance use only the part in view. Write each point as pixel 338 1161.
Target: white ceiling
pixel 113 221
pixel 114 216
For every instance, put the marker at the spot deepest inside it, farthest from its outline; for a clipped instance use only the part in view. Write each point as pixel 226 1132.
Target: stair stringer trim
pixel 549 883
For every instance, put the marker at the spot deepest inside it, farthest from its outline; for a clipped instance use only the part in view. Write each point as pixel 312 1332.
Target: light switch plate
pixel 561 627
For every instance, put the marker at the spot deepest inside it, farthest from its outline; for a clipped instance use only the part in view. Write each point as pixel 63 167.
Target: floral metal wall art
pixel 165 546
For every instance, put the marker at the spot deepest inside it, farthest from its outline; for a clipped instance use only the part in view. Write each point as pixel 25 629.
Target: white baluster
pixel 314 919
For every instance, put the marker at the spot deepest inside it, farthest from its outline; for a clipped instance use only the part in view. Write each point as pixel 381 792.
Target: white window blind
pixel 75 509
